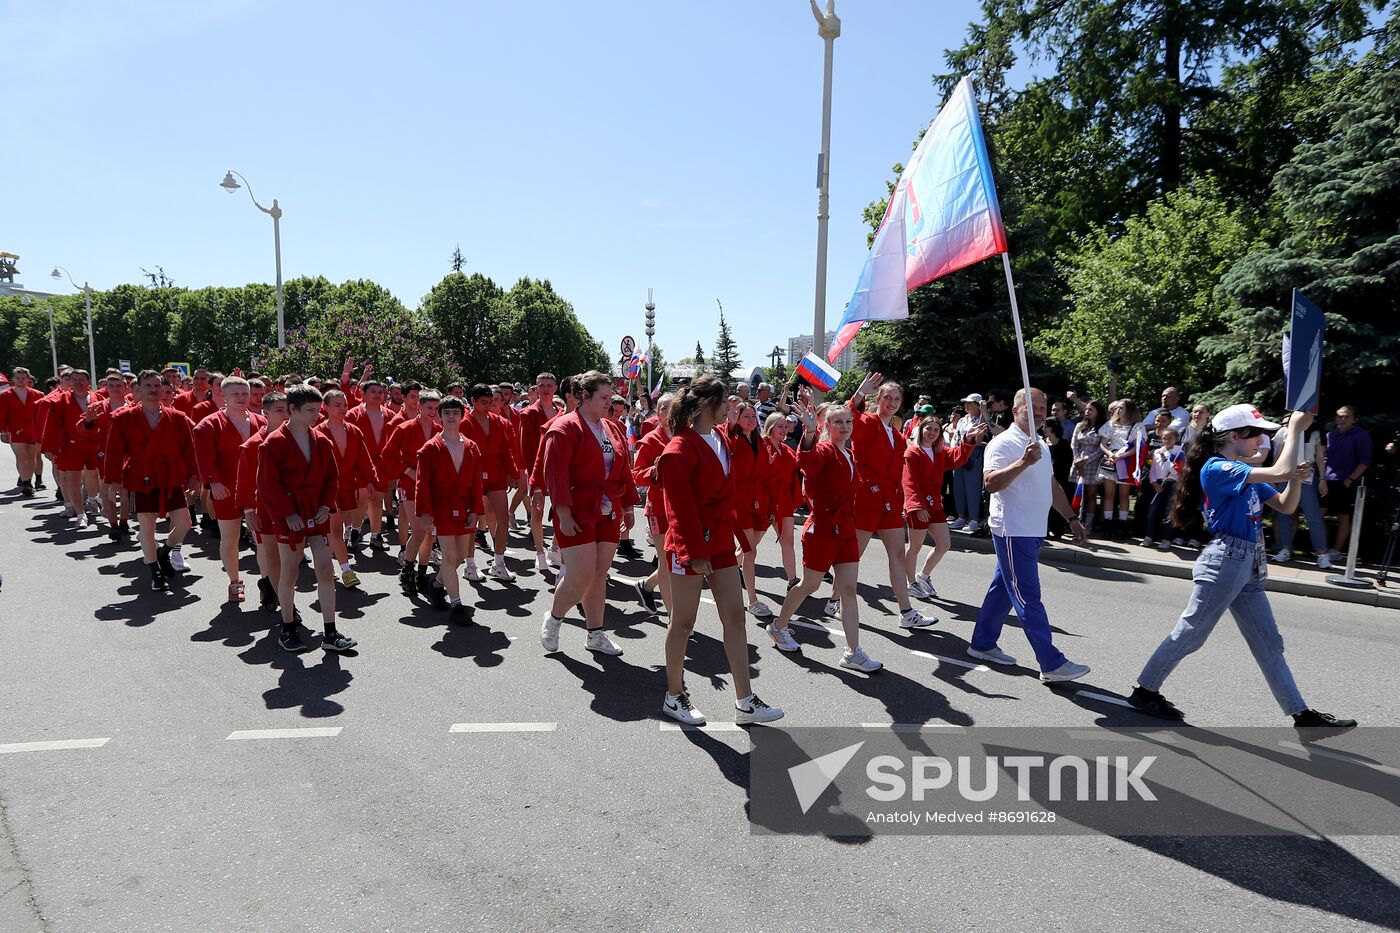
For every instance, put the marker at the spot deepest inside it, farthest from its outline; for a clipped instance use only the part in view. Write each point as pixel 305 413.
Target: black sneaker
pixel 268 595
pixel 407 581
pixel 792 585
pixel 828 578
pixel 245 539
pixel 291 640
pixel 114 534
pixel 459 615
pixel 159 581
pixel 1154 704
pixel 356 539
pixel 1312 719
pixel 647 595
pixel 39 483
pixel 436 593
pixel 206 522
pixel 125 529
pixel 627 548
pixel 338 641
pixel 26 489
pixel 480 538
pixel 163 559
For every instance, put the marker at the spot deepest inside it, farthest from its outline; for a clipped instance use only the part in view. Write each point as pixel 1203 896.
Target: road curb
pixel 1178 564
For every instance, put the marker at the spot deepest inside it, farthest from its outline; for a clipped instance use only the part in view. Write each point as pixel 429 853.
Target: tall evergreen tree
pixel 726 358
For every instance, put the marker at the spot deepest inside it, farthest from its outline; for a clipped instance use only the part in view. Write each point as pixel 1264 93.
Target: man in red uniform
pixel 150 455
pixel 17 426
pixel 358 478
pixel 54 390
pixel 296 487
pixel 495 441
pixel 401 460
pixel 448 495
pixel 274 409
pixel 376 424
pixel 534 420
pixel 186 400
pixel 100 422
pixel 217 439
pixel 72 446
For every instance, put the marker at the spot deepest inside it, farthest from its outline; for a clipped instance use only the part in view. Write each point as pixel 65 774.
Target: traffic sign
pixel 628 346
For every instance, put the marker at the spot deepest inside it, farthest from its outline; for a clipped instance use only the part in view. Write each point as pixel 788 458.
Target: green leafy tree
pixel 545 335
pixel 471 314
pixel 726 358
pixel 698 360
pixel 402 346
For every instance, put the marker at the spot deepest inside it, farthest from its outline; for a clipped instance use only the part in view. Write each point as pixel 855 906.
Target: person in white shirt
pixel 1018 475
pixel 1171 403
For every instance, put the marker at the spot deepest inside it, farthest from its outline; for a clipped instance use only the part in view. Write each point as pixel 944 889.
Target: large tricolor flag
pixel 943 215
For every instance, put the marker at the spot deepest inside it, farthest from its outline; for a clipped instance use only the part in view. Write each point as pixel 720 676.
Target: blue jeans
pixel 1228 575
pixel 1016 583
pixel 967 487
pixel 1312 511
pixel 1159 526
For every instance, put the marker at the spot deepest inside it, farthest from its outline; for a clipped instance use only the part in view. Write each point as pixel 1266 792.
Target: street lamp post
pixel 651 332
pixel 53 340
pixel 828 27
pixel 230 185
pixel 58 273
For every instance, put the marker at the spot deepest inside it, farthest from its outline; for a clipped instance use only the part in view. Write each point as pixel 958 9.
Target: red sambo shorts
pixel 720 561
pixel 606 530
pixel 823 550
pixel 878 508
pixel 71 458
pixel 296 538
pixel 159 501
pixel 226 509
pixel 935 517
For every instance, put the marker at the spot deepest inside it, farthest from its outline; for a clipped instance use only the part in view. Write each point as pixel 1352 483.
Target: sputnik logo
pixel 811 778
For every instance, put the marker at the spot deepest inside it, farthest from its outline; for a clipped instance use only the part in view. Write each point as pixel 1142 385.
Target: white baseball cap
pixel 1241 416
pixel 974 397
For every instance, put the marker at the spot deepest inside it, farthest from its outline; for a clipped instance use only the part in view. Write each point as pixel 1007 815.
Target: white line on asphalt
pixel 908 726
pixel 820 628
pixel 504 727
pixel 707 727
pixel 52 746
pixel 311 733
pixel 1118 701
pixel 706 599
pixel 938 657
pixel 1115 735
pixel 1325 753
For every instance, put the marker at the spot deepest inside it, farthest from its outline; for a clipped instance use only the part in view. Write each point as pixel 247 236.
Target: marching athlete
pixel 644 475
pixel 376 424
pixel 749 468
pixel 217 440
pixel 73 445
pixel 449 498
pixel 401 455
pixel 17 427
pixel 784 488
pixel 274 411
pixel 926 459
pixel 534 420
pixel 493 437
pixel 357 479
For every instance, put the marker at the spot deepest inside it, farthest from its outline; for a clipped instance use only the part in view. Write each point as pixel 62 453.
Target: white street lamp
pixel 58 273
pixel 230 185
pixel 828 27
pixel 53 340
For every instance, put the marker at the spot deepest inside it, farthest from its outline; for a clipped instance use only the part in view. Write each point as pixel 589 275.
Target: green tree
pixel 402 346
pixel 471 314
pixel 698 360
pixel 726 358
pixel 1148 296
pixel 545 335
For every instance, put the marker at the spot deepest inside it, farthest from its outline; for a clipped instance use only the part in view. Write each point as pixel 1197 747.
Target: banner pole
pixel 1020 342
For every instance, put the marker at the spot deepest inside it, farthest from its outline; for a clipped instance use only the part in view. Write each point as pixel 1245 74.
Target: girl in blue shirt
pixel 1223 469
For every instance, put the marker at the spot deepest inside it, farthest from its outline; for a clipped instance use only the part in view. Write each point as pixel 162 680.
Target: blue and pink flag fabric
pixel 943 215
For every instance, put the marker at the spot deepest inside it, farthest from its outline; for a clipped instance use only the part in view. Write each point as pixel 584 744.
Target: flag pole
pixel 1020 342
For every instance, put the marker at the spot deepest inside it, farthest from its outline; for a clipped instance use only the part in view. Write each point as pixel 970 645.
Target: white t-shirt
pixel 1021 509
pixel 1180 418
pixel 718 447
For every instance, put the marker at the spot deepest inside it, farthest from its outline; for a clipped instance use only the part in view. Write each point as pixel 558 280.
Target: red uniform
pixel 202 410
pixel 447 494
pixel 749 467
pixel 879 454
pixel 534 420
pixel 401 453
pixel 290 484
pixel 153 463
pixel 923 480
pixel 184 402
pixel 496 448
pixel 829 536
pixel 359 416
pixel 17 415
pixel 74 441
pixel 645 476
pixel 576 476
pixel 41 413
pixel 649 424
pixel 784 481
pixel 354 466
pixel 216 444
pixel 246 493
pixel 513 416
pixel 699 503
pixel 352 392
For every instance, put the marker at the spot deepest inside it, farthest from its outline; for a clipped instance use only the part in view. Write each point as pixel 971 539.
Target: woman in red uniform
pixel 274 411
pixel 534 421
pixel 784 488
pixel 589 480
pixel 878 448
pixel 925 462
pixel 17 427
pixel 749 467
pixel 701 536
pixel 150 455
pixel 644 475
pixel 217 439
pixel 449 499
pixel 829 536
pixel 357 480
pixel 296 486
pixel 494 438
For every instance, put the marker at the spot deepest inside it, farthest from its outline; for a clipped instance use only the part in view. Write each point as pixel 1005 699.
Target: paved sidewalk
pixel 1296 577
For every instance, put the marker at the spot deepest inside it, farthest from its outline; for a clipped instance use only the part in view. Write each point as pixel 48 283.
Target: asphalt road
pixel 599 818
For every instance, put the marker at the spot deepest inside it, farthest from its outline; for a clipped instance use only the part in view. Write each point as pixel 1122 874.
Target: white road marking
pixel 504 727
pixel 1326 753
pixel 938 657
pixel 707 727
pixel 1118 701
pixel 813 625
pixel 319 732
pixel 1114 735
pixel 908 726
pixel 706 599
pixel 53 746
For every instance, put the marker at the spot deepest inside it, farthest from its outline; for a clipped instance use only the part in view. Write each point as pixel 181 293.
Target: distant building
pixel 799 347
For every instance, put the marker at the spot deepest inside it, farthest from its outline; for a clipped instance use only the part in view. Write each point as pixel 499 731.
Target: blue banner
pixel 1302 371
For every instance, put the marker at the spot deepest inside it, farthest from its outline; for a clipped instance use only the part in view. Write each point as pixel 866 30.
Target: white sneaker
pixel 994 655
pixel 973 527
pixel 957 524
pixel 500 571
pixel 1164 545
pixel 926 583
pixel 82 521
pixel 833 609
pixel 761 610
pixel 1283 556
pixel 858 660
pixel 782 637
pixel 1146 542
pixel 470 571
pixel 599 641
pixel 1178 542
pixel 540 563
pixel 93 505
pixel 1066 671
pixel 1334 555
pixel 555 558
pixel 1324 562
pixel 913 618
pixel 751 709
pixel 177 560
pixel 549 633
pixel 679 709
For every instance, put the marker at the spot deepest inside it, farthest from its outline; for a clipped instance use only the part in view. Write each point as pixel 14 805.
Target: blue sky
pixel 607 146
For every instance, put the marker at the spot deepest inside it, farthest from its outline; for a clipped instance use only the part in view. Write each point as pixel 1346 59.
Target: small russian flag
pixel 820 374
pixel 1077 503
